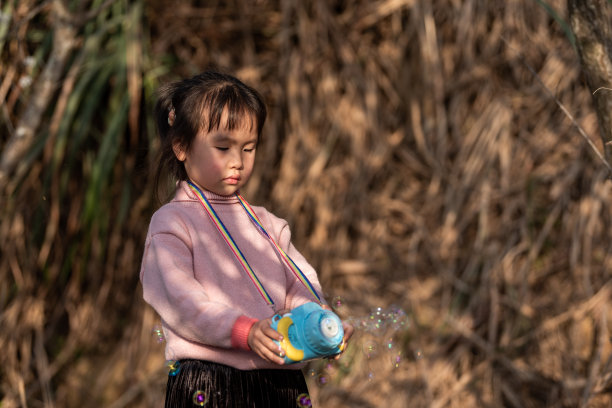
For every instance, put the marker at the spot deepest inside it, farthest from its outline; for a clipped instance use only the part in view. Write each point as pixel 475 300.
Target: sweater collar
pixel 184 192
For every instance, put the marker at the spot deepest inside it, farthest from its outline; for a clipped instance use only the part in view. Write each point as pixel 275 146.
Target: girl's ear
pixel 179 151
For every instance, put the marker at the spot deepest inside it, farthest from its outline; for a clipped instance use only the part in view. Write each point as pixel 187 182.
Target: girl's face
pixel 220 161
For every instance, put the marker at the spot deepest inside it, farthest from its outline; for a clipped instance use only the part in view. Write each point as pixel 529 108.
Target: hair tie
pixel 171 116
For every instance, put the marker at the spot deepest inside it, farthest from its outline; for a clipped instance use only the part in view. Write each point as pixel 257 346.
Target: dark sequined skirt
pixel 202 383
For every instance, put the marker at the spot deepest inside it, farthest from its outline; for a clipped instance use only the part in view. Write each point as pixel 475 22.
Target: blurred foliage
pixel 74 211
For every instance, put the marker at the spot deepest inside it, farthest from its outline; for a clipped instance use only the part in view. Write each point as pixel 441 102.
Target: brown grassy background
pixel 419 161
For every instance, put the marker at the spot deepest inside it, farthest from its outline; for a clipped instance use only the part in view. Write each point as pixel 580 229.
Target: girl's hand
pixel 261 340
pixel 348 332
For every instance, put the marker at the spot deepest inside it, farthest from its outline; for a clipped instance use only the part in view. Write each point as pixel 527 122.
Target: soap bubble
pixel 200 398
pixel 398 318
pixel 331 368
pixel 380 333
pixel 174 367
pixel 303 401
pixel 338 304
pixel 363 324
pixel 396 359
pixel 399 321
pixel 371 325
pixel 378 321
pixel 322 380
pixel 158 334
pixel 370 348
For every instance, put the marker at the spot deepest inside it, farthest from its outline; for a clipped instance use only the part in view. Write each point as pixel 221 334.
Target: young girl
pixel 215 269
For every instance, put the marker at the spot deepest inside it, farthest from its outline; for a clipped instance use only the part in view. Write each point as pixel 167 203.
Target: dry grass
pixel 420 163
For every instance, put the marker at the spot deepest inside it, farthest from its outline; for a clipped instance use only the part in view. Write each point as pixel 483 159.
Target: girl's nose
pixel 236 160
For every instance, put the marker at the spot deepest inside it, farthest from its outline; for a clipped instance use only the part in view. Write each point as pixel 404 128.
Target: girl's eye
pixel 249 150
pixel 222 148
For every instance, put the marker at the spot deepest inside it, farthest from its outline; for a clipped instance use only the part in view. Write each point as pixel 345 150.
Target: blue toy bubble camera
pixel 309 332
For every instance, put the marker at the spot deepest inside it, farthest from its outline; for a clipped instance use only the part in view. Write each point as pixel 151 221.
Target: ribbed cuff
pixel 240 332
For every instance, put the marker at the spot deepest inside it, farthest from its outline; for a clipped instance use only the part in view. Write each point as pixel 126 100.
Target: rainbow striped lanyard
pixel 227 237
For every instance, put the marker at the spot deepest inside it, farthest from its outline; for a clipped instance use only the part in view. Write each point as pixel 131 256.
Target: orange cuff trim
pixel 240 332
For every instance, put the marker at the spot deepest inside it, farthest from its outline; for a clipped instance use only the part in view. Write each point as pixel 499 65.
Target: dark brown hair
pixel 199 103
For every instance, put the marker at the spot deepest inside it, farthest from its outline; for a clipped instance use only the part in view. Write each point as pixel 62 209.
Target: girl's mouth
pixel 232 180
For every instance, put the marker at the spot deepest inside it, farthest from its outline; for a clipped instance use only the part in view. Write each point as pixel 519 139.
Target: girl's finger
pixel 274 354
pixel 348 330
pixel 273 334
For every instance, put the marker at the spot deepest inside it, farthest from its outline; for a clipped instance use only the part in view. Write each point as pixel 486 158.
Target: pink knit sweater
pixel 206 301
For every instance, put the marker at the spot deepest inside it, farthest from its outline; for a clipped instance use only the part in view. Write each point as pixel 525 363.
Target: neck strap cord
pixel 227 237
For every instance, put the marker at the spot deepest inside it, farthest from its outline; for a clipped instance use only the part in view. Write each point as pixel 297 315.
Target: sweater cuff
pixel 240 332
